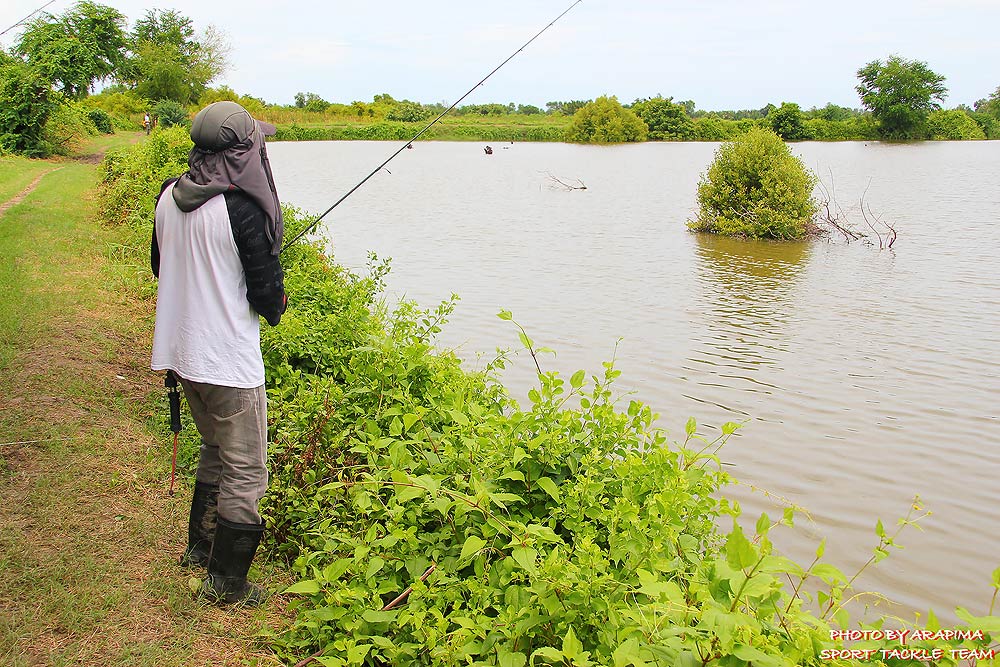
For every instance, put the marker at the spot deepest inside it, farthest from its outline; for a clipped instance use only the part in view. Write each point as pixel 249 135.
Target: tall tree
pixel 171 61
pixel 85 45
pixel 900 94
pixel 991 104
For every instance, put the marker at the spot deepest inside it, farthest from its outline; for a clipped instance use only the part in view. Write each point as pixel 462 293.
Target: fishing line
pixel 27 17
pixel 425 128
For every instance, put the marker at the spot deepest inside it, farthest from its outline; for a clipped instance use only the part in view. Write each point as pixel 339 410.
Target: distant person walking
pixel 147 124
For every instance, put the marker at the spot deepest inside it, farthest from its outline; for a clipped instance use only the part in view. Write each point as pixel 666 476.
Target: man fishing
pixel 216 239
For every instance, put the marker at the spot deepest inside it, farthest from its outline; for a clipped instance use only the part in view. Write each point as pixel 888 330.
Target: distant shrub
pixel 788 123
pixel 68 125
pixel 125 104
pixel 606 121
pixel 131 178
pixel 851 129
pixel 989 124
pixel 667 120
pixel 170 113
pixel 713 128
pixel 953 124
pixel 408 112
pixel 101 121
pixel 756 188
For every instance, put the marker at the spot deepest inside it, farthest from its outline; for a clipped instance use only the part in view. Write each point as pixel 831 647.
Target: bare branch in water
pixel 559 184
pixel 831 217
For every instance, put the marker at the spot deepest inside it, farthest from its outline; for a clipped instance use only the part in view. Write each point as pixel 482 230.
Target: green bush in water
pixel 756 188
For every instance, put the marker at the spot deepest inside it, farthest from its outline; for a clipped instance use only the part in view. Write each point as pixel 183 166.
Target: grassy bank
pixel 88 535
pixel 449 128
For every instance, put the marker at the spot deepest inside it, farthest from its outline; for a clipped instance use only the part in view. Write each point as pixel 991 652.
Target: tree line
pixel 47 77
pixel 164 66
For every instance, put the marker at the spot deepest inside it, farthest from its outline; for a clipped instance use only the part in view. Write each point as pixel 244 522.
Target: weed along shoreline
pixel 416 513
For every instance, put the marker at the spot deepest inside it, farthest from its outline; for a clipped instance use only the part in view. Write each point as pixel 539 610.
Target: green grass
pixel 88 535
pixel 16 173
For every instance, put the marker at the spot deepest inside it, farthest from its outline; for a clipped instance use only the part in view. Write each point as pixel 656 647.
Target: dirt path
pixel 19 197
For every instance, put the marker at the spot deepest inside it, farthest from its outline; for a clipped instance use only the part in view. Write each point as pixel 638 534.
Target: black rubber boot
pixel 232 552
pixel 201 525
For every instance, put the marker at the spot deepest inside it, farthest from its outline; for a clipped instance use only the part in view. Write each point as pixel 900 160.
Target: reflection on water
pixel 864 377
pixel 745 287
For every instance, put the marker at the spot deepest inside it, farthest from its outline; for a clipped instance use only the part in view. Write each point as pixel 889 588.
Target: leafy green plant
pixel 67 126
pixel 666 119
pixel 101 121
pixel 755 187
pixel 954 124
pixel 606 121
pixel 788 123
pixel 26 102
pixel 170 113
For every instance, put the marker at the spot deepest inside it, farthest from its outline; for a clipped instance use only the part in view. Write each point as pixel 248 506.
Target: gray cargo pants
pixel 233 427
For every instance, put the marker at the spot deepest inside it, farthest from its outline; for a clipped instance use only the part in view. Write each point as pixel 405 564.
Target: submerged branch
pixel 831 218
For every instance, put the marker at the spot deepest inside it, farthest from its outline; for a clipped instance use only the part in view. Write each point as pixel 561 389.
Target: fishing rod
pixel 27 17
pixel 425 128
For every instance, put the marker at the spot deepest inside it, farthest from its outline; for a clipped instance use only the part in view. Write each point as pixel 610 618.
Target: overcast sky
pixel 725 54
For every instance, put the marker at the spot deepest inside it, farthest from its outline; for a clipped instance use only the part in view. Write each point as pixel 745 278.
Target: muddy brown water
pixel 864 377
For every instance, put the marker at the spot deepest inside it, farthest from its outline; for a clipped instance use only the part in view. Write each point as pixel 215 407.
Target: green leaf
pixel 356 654
pixel 330 661
pixel 572 647
pixel 336 569
pixel 525 341
pixel 549 487
pixel 651 585
pixel 548 654
pixel 739 552
pixel 789 516
pixel 828 573
pixel 729 428
pixel 378 616
pixel 409 420
pixel 576 381
pixel 990 624
pixel 505 315
pixel 691 426
pixel 508 659
pixel 763 524
pixel 757 657
pixel 525 557
pixel 307 587
pixel 406 493
pixel 473 545
pixel 627 654
pixel 821 549
pixel 879 529
pixel 459 417
pixel 374 566
pixel 782 565
pixel 996 578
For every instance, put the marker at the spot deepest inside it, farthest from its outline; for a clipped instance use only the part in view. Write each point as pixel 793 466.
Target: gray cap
pixel 222 125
